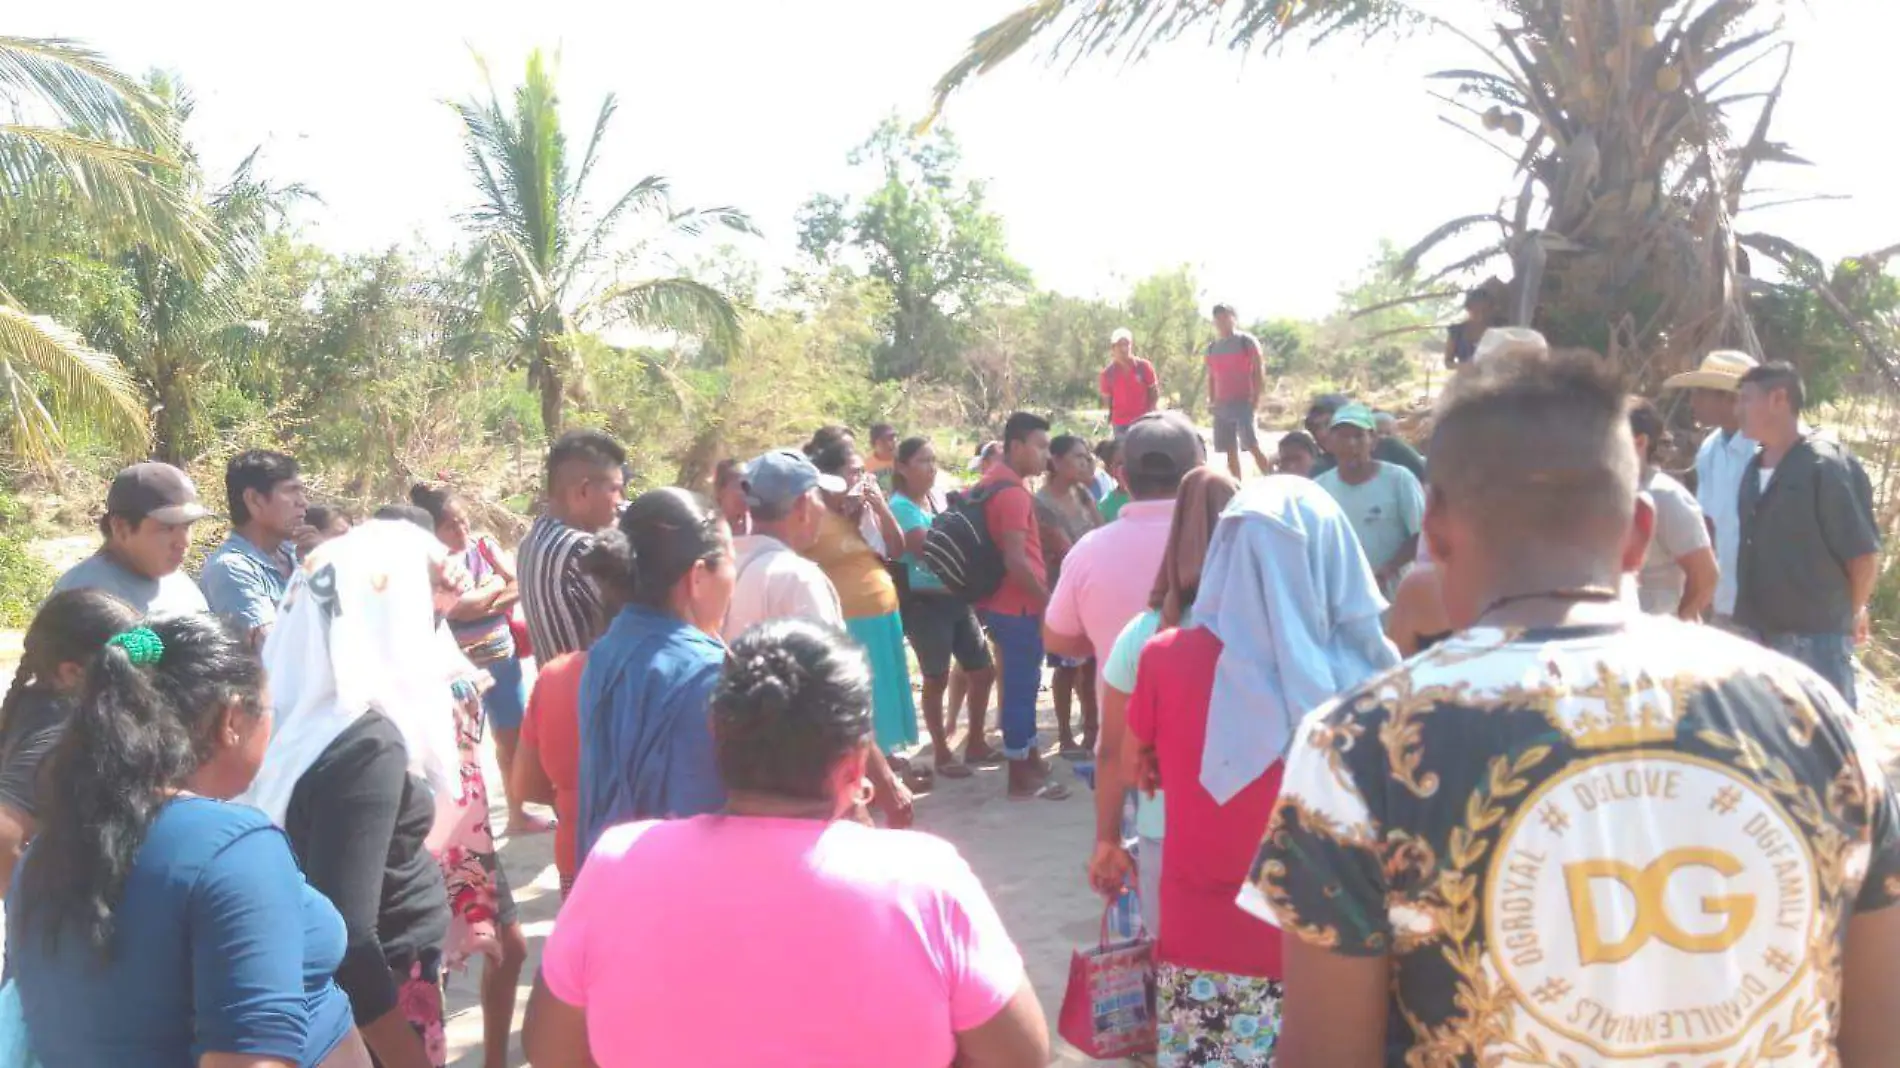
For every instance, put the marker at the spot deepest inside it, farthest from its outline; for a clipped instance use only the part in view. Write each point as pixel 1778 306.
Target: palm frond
pixel 1133 28
pixel 76 89
pixel 82 382
pixel 608 106
pixel 118 189
pixel 652 193
pixel 696 222
pixel 674 305
pixel 1410 260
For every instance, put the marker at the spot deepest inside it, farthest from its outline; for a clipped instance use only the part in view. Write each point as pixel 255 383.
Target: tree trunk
pixel 172 423
pixel 553 385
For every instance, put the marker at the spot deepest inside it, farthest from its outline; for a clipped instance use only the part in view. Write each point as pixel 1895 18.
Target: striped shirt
pixel 560 602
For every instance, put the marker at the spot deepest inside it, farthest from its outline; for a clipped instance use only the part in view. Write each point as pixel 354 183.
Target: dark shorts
pixel 940 626
pixel 1233 423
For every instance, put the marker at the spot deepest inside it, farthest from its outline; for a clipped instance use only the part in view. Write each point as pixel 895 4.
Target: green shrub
pixel 25 580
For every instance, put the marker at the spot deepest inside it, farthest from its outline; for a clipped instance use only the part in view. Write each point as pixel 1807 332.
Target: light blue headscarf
pixel 1288 591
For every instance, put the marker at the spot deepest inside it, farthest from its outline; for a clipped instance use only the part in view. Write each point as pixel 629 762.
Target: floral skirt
pixel 419 995
pixel 1213 1018
pixel 480 901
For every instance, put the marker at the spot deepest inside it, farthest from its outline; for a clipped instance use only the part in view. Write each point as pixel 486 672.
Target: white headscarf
pixel 1288 591
pixel 357 631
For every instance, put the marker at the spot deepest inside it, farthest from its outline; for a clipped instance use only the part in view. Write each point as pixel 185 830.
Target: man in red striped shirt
pixel 1129 385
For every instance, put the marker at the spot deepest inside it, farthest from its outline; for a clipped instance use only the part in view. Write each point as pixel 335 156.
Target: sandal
pixel 1076 754
pixel 983 758
pixel 1048 791
pixel 951 769
pixel 920 779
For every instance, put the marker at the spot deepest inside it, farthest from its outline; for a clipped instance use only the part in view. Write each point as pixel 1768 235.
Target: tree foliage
pixel 1634 142
pixel 927 236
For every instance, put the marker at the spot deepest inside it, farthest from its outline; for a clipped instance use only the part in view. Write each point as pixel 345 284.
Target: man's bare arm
pixel 1334 1015
pixel 1870 990
pixel 1019 568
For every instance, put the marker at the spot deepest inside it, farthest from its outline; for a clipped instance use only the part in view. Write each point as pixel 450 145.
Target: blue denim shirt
pixel 243 583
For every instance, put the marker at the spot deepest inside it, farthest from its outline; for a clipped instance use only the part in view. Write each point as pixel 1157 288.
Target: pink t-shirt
pixel 1109 576
pixel 738 940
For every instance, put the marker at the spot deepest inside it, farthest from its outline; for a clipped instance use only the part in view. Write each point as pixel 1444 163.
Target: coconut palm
pixel 550 267
pixel 82 139
pixel 1633 139
pixel 176 320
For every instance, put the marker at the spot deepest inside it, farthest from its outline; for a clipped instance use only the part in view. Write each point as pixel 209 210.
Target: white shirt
pixel 776 583
pixel 1719 465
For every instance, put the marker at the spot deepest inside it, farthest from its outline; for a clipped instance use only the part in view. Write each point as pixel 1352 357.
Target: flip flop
pixel 1049 791
pixel 920 779
pixel 1076 754
pixel 954 770
pixel 988 758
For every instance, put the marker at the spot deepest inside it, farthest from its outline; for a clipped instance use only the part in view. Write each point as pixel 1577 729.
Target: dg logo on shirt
pixel 1651 904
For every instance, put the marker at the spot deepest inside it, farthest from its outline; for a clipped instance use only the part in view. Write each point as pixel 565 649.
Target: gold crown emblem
pixel 1638 713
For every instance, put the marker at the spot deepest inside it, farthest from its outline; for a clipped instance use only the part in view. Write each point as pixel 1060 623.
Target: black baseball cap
pixel 1162 444
pixel 155 490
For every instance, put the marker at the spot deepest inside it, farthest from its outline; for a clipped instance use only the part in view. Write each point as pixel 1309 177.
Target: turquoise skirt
pixel 893 714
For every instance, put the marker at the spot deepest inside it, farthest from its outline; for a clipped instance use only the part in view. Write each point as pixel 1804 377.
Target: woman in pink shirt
pixel 780 931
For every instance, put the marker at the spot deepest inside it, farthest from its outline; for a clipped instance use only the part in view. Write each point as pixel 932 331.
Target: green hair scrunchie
pixel 141 644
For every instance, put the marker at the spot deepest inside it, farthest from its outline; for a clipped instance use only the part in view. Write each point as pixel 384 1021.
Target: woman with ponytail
pixel 875 947
pixel 645 750
pixel 66 633
pixel 153 922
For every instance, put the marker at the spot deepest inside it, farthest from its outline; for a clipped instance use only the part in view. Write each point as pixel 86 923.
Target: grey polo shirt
pixel 1797 537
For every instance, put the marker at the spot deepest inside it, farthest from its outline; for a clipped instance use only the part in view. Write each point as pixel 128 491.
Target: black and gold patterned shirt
pixel 1631 845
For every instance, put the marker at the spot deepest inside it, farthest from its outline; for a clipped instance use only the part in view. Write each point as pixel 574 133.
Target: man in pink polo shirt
pixel 1108 577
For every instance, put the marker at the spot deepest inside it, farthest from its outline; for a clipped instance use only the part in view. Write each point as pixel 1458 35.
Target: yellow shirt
pixel 854 568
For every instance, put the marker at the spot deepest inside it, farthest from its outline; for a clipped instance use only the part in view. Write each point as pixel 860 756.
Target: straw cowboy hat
pixel 1722 369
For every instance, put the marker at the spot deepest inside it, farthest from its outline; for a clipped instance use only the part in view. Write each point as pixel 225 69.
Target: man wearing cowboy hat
pixel 1719 463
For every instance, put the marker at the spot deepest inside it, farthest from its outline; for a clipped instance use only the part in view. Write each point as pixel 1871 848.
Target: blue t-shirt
pixel 910 515
pixel 646 724
pixel 219 946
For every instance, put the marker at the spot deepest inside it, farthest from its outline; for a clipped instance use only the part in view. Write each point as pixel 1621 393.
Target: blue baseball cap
pixel 782 476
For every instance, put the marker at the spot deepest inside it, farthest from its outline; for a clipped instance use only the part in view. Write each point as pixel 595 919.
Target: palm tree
pixel 1634 144
pixel 182 318
pixel 550 270
pixel 80 138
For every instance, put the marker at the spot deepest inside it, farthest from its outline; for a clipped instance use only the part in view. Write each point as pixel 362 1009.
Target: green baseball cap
pixel 1356 415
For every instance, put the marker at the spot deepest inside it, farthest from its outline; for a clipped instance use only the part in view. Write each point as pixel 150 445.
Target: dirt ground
pixel 1029 854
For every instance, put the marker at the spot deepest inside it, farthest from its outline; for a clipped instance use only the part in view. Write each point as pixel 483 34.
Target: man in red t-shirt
pixel 1014 611
pixel 1129 385
pixel 1235 378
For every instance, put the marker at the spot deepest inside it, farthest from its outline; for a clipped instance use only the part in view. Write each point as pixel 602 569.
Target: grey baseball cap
pixel 1162 444
pixel 155 490
pixel 782 476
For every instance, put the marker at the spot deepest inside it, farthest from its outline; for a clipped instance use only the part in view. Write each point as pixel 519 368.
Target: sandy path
pixel 1029 855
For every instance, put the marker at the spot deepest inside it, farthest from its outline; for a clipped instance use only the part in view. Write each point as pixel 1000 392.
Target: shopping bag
pixel 14 1052
pixel 1108 1011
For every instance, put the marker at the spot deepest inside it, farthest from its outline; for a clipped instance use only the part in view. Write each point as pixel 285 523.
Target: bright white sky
pixel 1274 178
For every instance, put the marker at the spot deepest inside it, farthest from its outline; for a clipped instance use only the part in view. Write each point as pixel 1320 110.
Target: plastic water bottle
pixel 1123 918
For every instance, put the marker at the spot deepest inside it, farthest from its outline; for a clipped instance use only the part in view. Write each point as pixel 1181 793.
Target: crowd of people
pixel 1514 750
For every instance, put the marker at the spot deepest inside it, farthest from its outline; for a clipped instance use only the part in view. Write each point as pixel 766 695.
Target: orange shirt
pixel 553 727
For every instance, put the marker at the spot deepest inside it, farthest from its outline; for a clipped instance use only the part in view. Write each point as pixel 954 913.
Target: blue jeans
pixel 1831 656
pixel 1019 643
